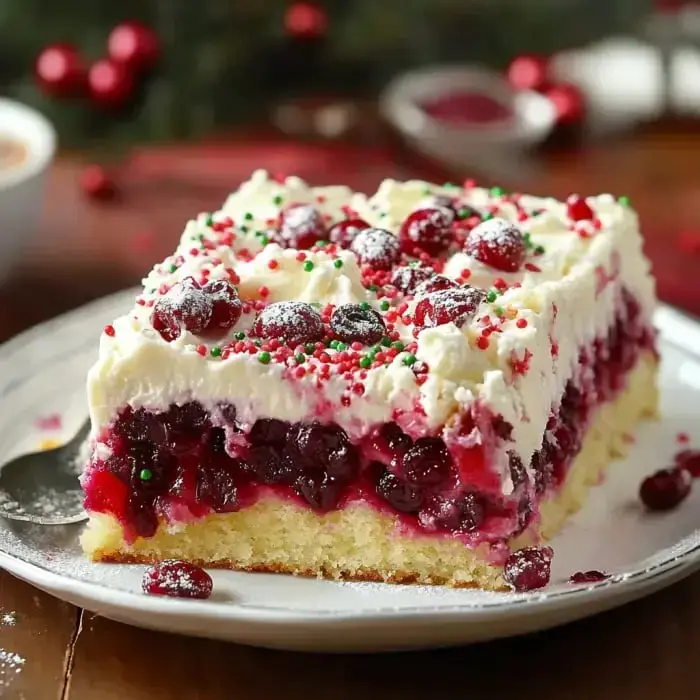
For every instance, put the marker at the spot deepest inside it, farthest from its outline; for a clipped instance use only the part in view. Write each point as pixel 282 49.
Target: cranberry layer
pixel 185 463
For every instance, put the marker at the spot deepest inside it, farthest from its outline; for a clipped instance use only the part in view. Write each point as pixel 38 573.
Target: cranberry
pixel 689 460
pixel 327 447
pixel 105 492
pixel 665 489
pixel 518 473
pixel 177 579
pixel 528 568
pixel 139 425
pixel 301 226
pixel 141 515
pixel 217 486
pixel 390 437
pixel 357 323
pixel 463 514
pixel 377 248
pixel 436 283
pixel 407 277
pixel 152 467
pixel 269 466
pixel 294 322
pixel 184 307
pixel 321 491
pixel 427 230
pixel 588 577
pixel 498 244
pixel 227 414
pixel 456 306
pixel 185 426
pixel 269 431
pixel 343 233
pixel 226 307
pixel 577 209
pixel 400 495
pixel 427 463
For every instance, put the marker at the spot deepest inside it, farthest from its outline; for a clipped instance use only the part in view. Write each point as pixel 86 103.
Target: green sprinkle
pixel 526 239
pixel 487 217
pixel 309 347
pixel 240 335
pixel 244 229
pixel 321 244
pixel 397 345
pixel 491 296
pixel 264 240
pixel 539 250
pixel 248 216
pixel 409 360
pixel 624 201
pixel 386 341
pixel 382 214
pixel 384 305
pixel 365 306
pixel 257 343
pixel 464 213
pixel 340 346
pixel 145 475
pixel 172 268
pixel 372 288
pixel 375 349
pixel 338 264
pixel 278 200
pixel 209 220
pixel 308 266
pixel 365 362
pixel 426 191
pixel 264 358
pixel 200 237
pixel 414 263
pixel 450 186
pixel 300 358
pixel 497 191
pixel 499 311
pixel 333 344
pixel 215 352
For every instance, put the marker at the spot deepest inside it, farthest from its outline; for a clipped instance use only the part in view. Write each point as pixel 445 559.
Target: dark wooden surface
pixel 644 650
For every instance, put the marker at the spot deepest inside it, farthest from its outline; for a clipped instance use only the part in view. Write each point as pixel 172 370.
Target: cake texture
pixel 404 387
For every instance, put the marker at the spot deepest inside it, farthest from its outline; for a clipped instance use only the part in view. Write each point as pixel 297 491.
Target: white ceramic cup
pixel 22 184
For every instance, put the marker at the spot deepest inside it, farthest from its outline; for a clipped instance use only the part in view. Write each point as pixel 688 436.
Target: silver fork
pixel 43 487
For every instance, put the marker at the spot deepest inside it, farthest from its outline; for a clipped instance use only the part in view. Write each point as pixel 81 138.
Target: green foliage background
pixel 225 61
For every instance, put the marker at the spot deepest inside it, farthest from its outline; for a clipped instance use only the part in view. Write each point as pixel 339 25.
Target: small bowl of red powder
pixel 463 115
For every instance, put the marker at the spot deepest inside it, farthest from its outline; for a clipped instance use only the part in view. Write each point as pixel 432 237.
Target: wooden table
pixel 85 250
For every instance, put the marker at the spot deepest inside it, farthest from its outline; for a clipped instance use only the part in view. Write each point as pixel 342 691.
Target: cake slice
pixel 404 387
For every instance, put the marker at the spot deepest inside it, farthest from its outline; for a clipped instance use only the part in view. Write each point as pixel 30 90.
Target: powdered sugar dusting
pixel 294 321
pixel 376 247
pixel 11 666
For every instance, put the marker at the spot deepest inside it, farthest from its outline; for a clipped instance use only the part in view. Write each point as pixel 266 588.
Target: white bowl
pixel 469 145
pixel 22 185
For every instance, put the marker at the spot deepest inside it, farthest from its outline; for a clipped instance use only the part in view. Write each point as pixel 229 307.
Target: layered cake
pixel 403 387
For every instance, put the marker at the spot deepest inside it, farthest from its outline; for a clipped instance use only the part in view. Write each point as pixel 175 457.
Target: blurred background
pixel 161 107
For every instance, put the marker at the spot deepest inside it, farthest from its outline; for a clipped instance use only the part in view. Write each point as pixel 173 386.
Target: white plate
pixel 42 372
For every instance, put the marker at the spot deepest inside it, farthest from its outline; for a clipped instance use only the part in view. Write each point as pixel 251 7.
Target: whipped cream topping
pixel 514 356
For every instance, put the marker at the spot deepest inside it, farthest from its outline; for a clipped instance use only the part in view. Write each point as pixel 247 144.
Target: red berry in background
pixel 301 226
pixel 427 230
pixel 528 72
pixel 133 45
pixel 689 460
pixel 529 568
pixel 177 579
pixel 665 489
pixel 568 101
pixel 60 71
pixel 110 83
pixel 377 248
pixel 97 184
pixel 344 232
pixel 305 20
pixel 577 209
pixel 498 244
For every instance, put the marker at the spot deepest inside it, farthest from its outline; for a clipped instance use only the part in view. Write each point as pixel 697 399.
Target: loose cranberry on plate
pixel 665 489
pixel 529 568
pixel 591 576
pixel 293 322
pixel 177 579
pixel 427 230
pixel 377 248
pixel 498 244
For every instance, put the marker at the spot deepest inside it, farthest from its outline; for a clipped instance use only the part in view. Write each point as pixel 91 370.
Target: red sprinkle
pixel 532 267
pixel 681 438
pixel 482 342
pixel 202 350
pixel 109 330
pixel 521 323
pixel 273 264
